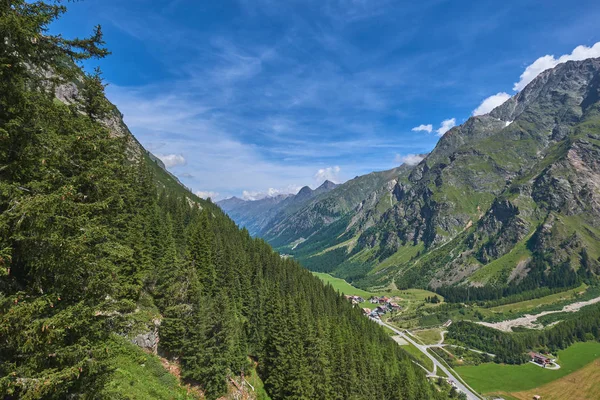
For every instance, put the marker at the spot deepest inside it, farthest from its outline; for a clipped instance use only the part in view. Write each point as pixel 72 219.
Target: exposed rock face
pixel 148 340
pixel 498 231
pixel 68 93
pixel 572 184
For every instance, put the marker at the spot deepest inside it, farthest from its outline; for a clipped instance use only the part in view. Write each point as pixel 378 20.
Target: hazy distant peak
pixel 327 185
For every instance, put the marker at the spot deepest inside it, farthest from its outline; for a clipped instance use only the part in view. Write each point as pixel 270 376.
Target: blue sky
pixel 247 97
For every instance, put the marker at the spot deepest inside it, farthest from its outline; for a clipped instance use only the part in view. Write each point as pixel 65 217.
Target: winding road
pixel 471 395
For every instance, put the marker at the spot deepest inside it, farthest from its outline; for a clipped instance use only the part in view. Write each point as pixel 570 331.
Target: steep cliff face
pixel 474 210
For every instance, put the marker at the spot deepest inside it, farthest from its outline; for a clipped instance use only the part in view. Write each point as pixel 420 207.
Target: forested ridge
pixel 86 235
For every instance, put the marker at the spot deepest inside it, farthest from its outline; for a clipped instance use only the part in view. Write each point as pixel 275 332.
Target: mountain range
pixel 256 215
pixel 503 199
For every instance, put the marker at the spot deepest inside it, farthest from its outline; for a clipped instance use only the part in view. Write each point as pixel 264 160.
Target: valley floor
pixel 529 321
pixel 577 378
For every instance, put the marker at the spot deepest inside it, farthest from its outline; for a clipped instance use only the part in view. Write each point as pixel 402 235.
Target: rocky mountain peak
pixel 566 84
pixel 327 185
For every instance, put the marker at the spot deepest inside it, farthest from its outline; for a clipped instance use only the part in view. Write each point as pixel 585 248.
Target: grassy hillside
pixel 139 376
pixel 342 286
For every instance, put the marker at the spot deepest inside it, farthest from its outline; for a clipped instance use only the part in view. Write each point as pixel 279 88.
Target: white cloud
pixel 409 159
pixel 548 61
pixel 270 192
pixel 423 128
pixel 171 160
pixel 490 103
pixel 445 126
pixel 329 173
pixel 206 195
pixel 256 195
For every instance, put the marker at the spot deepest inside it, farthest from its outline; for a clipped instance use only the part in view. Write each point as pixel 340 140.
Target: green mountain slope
pixel 100 248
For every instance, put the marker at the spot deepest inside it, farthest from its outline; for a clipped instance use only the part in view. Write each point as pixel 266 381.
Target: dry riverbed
pixel 529 321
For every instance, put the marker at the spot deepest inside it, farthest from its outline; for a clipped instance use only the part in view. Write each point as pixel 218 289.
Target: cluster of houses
pixel 385 305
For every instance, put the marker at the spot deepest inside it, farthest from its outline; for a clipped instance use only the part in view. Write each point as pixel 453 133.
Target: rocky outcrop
pixel 150 339
pixel 499 230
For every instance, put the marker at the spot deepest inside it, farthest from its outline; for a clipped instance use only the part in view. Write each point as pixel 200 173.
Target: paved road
pixel 459 385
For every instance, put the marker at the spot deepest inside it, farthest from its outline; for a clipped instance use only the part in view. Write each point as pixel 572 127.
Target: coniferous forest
pixel 86 232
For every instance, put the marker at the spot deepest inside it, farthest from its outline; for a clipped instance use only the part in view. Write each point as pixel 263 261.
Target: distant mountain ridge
pixel 256 215
pixel 501 197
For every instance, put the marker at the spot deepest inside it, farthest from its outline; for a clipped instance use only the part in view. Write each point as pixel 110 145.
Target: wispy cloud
pixel 207 194
pixel 445 126
pixel 423 128
pixel 270 192
pixel 408 159
pixel 171 160
pixel 330 174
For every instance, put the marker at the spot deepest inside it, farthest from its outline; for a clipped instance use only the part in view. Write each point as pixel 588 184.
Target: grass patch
pixel 259 387
pixel 416 294
pixel 429 336
pixel 402 256
pixel 342 286
pixel 419 356
pixel 407 295
pixel 494 378
pixel 349 244
pixel 140 375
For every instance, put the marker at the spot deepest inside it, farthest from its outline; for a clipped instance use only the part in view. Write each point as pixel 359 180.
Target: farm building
pixel 539 358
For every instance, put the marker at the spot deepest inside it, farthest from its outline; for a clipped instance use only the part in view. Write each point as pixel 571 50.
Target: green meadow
pixel 342 286
pixel 491 377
